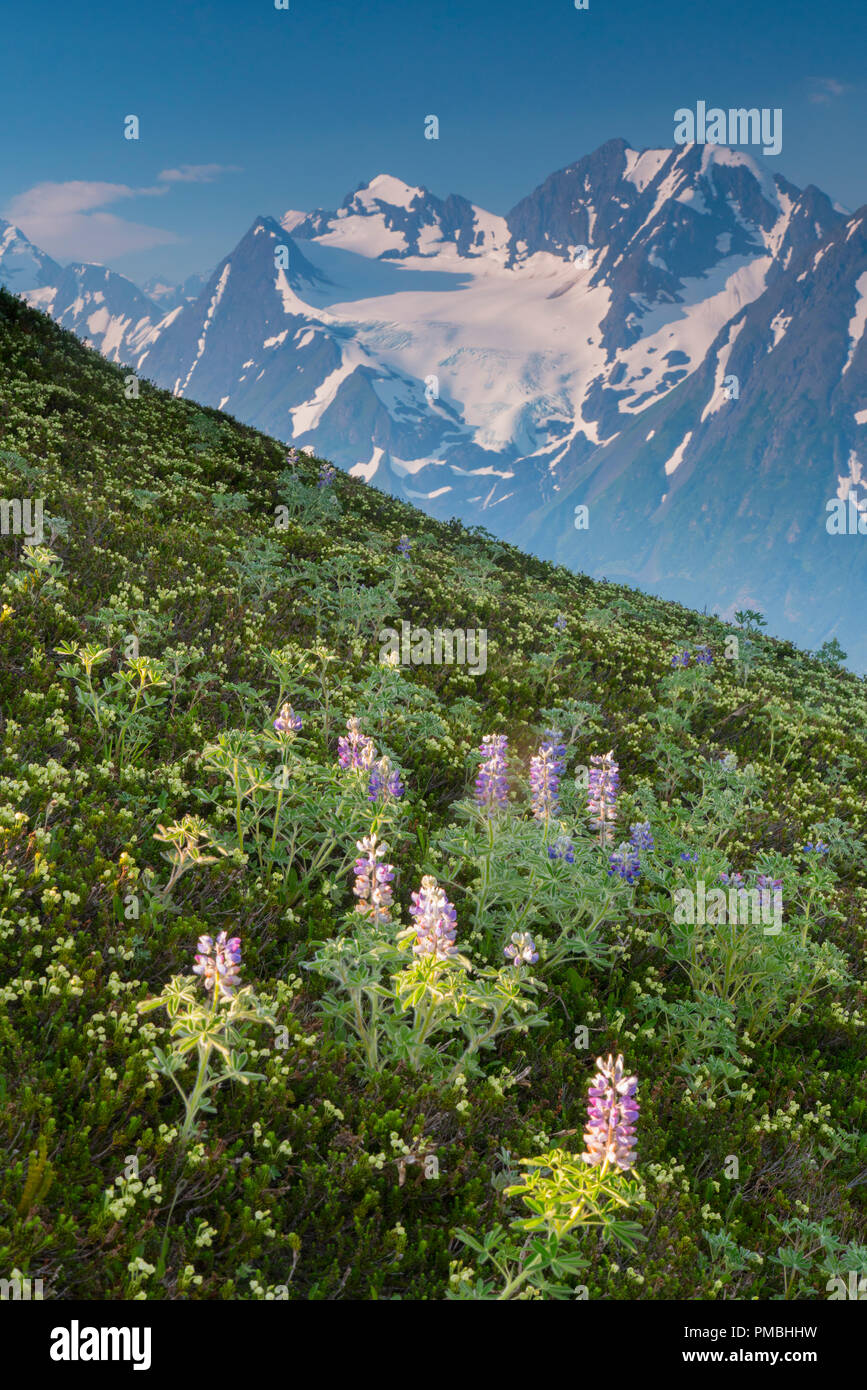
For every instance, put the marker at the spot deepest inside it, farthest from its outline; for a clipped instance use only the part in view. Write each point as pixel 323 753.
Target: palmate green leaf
pixel 490 1239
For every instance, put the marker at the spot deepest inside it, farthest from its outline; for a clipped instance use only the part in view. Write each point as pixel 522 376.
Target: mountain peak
pixel 385 188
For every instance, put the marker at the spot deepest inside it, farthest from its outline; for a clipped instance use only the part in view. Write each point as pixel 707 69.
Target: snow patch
pixel 366 471
pixel 677 457
pixel 859 318
pixel 779 324
pixel 209 318
pixel 642 169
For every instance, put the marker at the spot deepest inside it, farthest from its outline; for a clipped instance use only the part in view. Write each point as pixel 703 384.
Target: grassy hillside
pixel 189 584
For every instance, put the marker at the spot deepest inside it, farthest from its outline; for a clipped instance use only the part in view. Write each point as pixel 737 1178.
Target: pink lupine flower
pixel 612 1113
pixel 373 880
pixel 218 962
pixel 355 749
pixel 602 787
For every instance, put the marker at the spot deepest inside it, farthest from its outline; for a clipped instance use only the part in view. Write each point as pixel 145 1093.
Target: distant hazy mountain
pixel 104 308
pixel 168 296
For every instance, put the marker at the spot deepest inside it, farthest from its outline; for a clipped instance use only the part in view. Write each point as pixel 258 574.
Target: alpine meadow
pixel 310 952
pixel 433 685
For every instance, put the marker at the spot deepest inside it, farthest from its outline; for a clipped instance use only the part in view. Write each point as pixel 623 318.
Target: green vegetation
pixel 189 583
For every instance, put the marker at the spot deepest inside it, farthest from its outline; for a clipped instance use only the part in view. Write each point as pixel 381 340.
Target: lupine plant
pixel 216 1031
pixel 412 996
pixel 530 875
pixel 124 709
pixel 567 1196
pixel 291 814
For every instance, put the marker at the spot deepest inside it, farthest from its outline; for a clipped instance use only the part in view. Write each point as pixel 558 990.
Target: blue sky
pixel 245 109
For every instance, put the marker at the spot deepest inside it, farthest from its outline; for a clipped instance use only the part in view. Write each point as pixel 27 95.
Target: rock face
pixel 674 338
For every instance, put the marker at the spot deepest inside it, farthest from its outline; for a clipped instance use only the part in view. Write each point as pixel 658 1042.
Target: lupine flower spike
pixel 435 921
pixel 373 880
pixel 602 787
pixel 355 750
pixel 521 949
pixel 641 835
pixel 287 721
pixel 544 785
pixel 385 783
pixel 404 545
pixel 767 888
pixel 562 848
pixel 625 863
pixel 218 962
pixel 327 474
pixel 492 786
pixel 546 769
pixel 612 1113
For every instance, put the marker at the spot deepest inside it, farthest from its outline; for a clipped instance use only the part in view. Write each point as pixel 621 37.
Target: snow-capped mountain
pixel 23 266
pixel 390 219
pixel 673 337
pixel 100 306
pixel 718 492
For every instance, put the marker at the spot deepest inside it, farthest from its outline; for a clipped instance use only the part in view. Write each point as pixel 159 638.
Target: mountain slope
pixel 190 584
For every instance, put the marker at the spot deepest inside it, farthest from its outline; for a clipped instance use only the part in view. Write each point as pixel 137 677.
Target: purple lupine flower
pixel 624 862
pixel 562 848
pixel 545 783
pixel 327 474
pixel 818 848
pixel 732 880
pixel 355 750
pixel 385 783
pixel 767 887
pixel 641 835
pixel 292 457
pixel 560 624
pixel 688 858
pixel 612 1113
pixel 492 785
pixel 404 545
pixel 219 962
pixel 435 921
pixel 288 721
pixel 372 881
pixel 521 949
pixel 602 786
pixel 552 741
pixel 704 656
pixel 681 659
